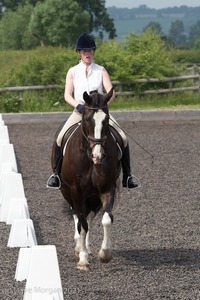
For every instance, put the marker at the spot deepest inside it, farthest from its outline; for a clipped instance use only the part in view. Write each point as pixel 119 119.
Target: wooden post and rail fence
pixel 194 78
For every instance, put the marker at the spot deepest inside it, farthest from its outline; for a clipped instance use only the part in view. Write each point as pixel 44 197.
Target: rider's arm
pixel 107 84
pixel 69 88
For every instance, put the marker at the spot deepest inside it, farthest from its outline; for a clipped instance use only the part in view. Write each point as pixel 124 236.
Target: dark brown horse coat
pixel 86 185
pixel 89 180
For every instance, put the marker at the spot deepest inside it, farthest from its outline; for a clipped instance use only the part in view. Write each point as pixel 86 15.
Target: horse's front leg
pixel 83 263
pixel 105 253
pixel 81 251
pixel 77 235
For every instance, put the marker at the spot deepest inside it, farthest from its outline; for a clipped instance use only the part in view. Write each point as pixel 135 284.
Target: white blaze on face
pixel 98 117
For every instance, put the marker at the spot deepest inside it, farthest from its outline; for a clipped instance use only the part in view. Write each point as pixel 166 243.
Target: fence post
pixel 20 96
pixel 121 87
pixel 196 80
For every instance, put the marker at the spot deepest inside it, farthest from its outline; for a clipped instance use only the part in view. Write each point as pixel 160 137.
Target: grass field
pixel 52 101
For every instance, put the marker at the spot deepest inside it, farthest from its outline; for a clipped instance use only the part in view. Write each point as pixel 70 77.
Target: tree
pixel 176 35
pixel 155 27
pixel 194 33
pixel 99 22
pixel 99 18
pixel 147 56
pixel 13 33
pixel 197 43
pixel 11 4
pixel 56 22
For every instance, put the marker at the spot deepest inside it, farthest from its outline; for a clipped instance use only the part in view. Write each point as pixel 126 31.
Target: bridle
pixel 90 138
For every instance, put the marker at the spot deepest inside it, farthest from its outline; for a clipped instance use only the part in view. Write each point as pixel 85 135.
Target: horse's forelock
pixel 97 99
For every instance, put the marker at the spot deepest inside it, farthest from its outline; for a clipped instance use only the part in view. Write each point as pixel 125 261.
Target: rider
pixel 87 76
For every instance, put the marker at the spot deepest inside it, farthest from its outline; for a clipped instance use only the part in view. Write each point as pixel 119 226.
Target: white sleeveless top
pixel 82 83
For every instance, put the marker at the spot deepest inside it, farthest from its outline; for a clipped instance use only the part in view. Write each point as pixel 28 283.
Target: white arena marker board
pixel 4 133
pixel 18 210
pixel 7 155
pixel 13 187
pixel 22 234
pixel 43 280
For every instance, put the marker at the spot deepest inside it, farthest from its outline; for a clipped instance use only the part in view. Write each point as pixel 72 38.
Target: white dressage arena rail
pixel 37 264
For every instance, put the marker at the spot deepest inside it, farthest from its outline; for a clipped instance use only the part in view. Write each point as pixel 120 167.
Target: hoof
pixel 83 267
pixel 105 256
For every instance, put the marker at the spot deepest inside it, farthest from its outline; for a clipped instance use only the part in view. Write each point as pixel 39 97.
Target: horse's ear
pixel 87 98
pixel 108 96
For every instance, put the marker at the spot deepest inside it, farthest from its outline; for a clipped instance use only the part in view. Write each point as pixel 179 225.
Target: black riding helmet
pixel 85 42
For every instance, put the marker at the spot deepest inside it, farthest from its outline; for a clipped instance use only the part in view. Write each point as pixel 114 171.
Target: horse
pixel 89 174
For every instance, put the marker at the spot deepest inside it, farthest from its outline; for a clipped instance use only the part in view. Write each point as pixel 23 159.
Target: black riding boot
pixel 54 179
pixel 128 180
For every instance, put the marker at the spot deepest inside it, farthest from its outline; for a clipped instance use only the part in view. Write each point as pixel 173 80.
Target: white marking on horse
pixel 105 252
pixel 77 235
pixel 98 117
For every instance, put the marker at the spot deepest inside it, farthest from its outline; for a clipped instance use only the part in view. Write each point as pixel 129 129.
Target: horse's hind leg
pixel 76 236
pixel 105 253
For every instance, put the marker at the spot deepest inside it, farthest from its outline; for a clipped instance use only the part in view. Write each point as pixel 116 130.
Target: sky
pixel 152 3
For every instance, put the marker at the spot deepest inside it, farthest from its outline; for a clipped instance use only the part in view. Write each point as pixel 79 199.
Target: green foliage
pixel 42 66
pixel 26 24
pixel 58 22
pixel 155 27
pixel 12 4
pixel 197 44
pixel 190 56
pixel 143 56
pixel 148 57
pixel 114 58
pixel 194 33
pixel 100 20
pixel 176 34
pixel 13 33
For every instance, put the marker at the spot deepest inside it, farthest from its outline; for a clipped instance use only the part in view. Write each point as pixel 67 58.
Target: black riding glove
pixel 80 108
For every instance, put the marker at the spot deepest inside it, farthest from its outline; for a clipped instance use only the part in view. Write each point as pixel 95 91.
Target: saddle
pixel 67 136
pixel 115 135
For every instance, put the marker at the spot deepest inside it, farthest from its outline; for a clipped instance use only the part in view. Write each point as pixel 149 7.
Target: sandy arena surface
pixel 156 229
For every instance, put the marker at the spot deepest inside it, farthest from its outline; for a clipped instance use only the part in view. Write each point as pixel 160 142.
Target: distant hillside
pixel 135 19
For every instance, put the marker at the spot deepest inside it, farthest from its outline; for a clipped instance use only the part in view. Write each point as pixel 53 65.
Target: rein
pixel 95 108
